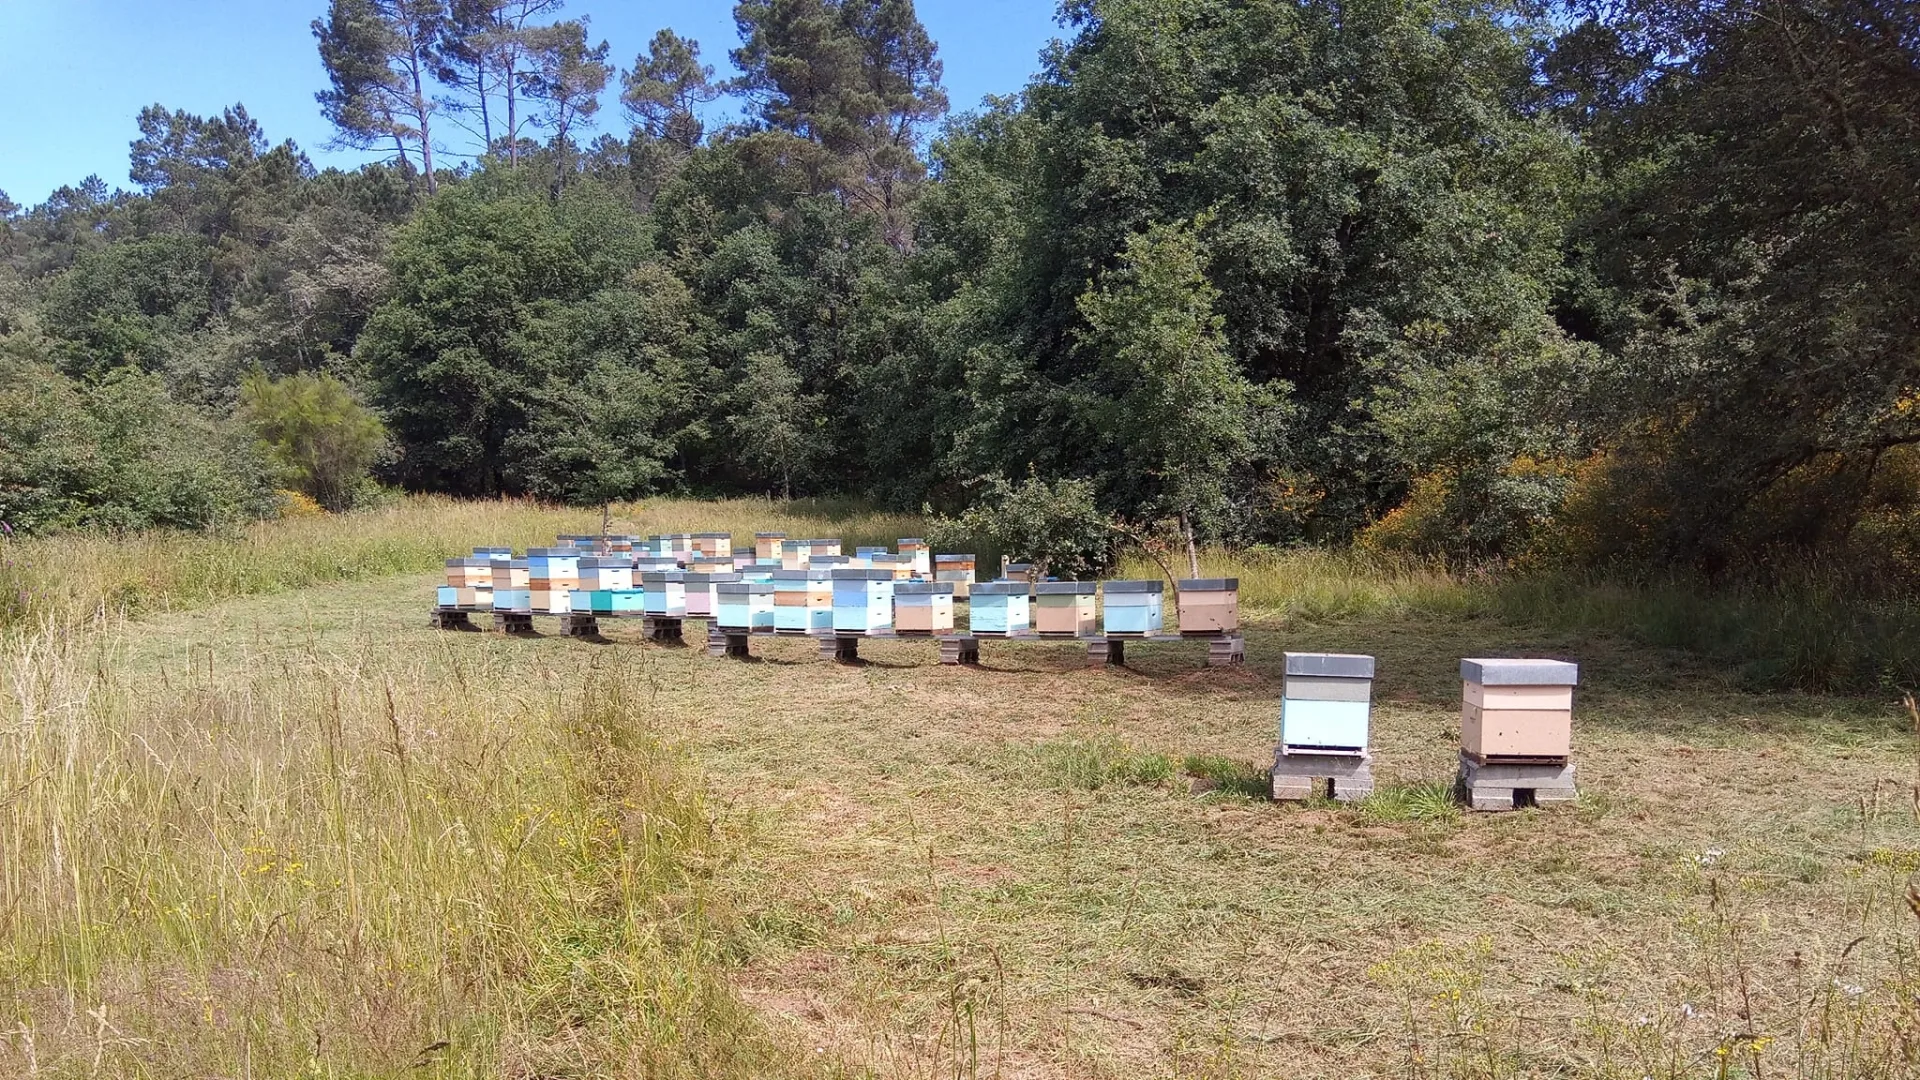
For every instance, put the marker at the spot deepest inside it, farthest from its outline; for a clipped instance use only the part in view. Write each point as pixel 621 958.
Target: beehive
pixel 467 599
pixel 470 573
pixel 1000 607
pixel 1325 706
pixel 515 600
pixel 956 570
pixel 802 600
pixel 862 601
pixel 599 572
pixel 923 607
pixel 1517 709
pixel 795 554
pixel 608 601
pixel 766 546
pixel 510 574
pixel 553 600
pixel 744 605
pixel 863 556
pixel 713 545
pixel 918 555
pixel 1132 607
pixel 666 593
pixel 1017 571
pixel 1208 605
pixel 547 567
pixel 494 553
pixel 711 564
pixel 1065 608
pixel 700 585
pixel 824 547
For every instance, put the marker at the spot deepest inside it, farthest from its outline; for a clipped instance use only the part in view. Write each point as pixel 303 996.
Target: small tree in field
pixel 1054 525
pixel 316 431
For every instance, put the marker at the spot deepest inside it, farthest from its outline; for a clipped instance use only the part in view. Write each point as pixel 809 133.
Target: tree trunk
pixel 513 118
pixel 1193 553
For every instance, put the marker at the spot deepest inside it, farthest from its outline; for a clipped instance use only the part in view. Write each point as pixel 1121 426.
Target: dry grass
pixel 573 859
pixel 73 578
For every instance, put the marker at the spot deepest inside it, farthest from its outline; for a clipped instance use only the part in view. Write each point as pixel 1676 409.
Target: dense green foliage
pixel 1626 282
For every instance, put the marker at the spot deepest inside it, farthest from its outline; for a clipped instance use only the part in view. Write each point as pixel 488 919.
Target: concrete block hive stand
pixel 1324 716
pixel 1516 733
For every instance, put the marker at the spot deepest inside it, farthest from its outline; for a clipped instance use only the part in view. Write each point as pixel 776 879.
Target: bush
pixel 1054 525
pixel 316 432
pixel 119 455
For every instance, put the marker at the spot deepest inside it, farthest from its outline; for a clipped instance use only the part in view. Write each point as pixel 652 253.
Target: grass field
pixel 299 834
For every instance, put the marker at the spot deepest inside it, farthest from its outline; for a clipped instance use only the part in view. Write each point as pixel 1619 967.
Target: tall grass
pixel 1812 633
pixel 358 865
pixel 74 577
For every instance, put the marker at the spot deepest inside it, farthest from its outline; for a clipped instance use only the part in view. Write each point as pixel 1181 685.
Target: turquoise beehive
pixel 1326 703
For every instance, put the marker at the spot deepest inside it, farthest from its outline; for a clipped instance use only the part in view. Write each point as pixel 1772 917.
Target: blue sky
pixel 75 73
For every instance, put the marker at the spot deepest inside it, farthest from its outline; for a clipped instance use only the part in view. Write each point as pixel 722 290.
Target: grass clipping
pixel 354 866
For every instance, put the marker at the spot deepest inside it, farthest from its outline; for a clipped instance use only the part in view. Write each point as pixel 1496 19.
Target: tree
pixel 315 431
pixel 667 88
pixel 568 77
pixel 858 79
pixel 491 47
pixel 775 424
pixel 380 58
pixel 1167 397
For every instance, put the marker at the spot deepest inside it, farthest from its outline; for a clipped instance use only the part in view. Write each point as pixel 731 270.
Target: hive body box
pixel 465 599
pixel 795 554
pixel 666 593
pixel 746 606
pixel 766 547
pixel 1000 607
pixel 923 607
pixel 553 575
pixel 1133 607
pixel 496 553
pixel 510 574
pixel 699 592
pixel 1326 703
pixel 470 573
pixel 599 572
pixel 918 555
pixel 956 570
pixel 1065 608
pixel 607 601
pixel 802 601
pixel 1517 710
pixel 713 545
pixel 1209 605
pixel 862 601
pixel 517 601
pixel 824 547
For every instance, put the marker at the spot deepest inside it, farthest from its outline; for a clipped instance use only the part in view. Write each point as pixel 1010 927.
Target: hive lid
pixel 713 536
pixel 662 577
pixel 953 558
pixel 1332 665
pixel 1134 586
pixel 802 575
pixel 1520 672
pixel 905 540
pixel 1019 567
pixel 923 588
pixel 1067 588
pixel 769 536
pixel 861 574
pixel 1209 584
pixel 743 588
pixel 469 561
pixel 605 562
pixel 1002 588
pixel 553 553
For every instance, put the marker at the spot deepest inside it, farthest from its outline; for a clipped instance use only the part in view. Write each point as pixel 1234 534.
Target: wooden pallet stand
pixel 662 629
pixel 1110 651
pixel 451 619
pixel 1496 784
pixel 1297 774
pixel 960 649
pixel 513 622
pixel 579 625
pixel 727 644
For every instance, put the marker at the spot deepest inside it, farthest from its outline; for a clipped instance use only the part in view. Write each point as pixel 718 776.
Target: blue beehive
pixel 862 601
pixel 1132 607
pixel 1000 607
pixel 607 601
pixel 605 572
pixel 448 596
pixel 513 600
pixel 493 553
pixel 666 593
pixel 1326 703
pixel 554 564
pixel 802 600
pixel 744 605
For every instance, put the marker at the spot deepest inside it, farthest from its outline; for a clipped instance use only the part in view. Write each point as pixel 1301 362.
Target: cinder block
pixel 1348 776
pixel 1508 786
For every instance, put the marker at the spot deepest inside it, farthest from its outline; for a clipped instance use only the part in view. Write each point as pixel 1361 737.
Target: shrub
pixel 1055 525
pixel 318 434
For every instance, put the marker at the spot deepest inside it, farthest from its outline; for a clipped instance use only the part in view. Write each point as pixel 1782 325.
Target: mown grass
pixel 74 577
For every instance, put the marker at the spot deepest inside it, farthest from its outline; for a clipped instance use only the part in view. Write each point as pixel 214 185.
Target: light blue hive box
pixel 1132 607
pixel 1000 607
pixel 862 601
pixel 666 593
pixel 746 606
pixel 1326 704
